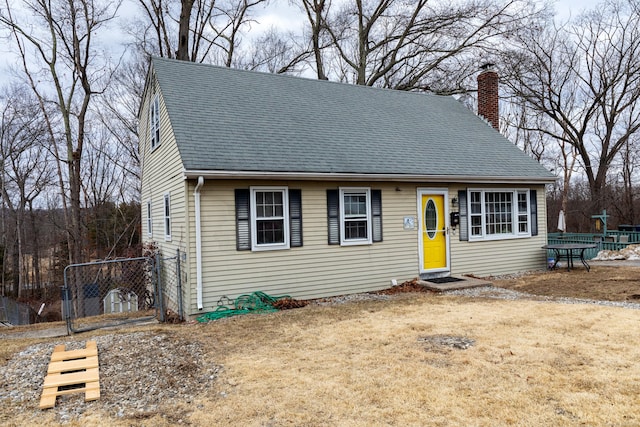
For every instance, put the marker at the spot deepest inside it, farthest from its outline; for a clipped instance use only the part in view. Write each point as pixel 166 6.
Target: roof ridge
pixel 297 77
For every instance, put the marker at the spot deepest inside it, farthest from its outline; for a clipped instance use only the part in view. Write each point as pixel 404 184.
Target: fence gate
pixel 170 277
pixel 107 293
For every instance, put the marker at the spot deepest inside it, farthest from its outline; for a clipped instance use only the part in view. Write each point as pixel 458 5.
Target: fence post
pixel 66 301
pixel 159 298
pixel 179 274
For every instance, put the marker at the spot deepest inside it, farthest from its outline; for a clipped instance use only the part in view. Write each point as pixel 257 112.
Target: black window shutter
pixel 533 207
pixel 333 217
pixel 295 217
pixel 243 220
pixel 464 218
pixel 376 215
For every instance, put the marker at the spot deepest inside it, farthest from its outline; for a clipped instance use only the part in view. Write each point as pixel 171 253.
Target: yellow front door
pixel 433 229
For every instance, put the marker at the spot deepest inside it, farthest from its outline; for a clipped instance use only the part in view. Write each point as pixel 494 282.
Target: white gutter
pixel 196 194
pixel 220 174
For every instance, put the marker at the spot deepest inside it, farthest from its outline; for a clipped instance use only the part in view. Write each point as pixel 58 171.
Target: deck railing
pixel 611 241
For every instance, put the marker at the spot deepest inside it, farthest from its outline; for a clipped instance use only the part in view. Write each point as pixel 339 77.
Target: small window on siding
pixel 167 217
pixel 149 219
pixel 354 216
pixel 523 212
pixel 268 218
pixel 154 122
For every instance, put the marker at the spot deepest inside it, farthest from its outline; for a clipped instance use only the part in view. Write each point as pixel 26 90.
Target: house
pixel 312 188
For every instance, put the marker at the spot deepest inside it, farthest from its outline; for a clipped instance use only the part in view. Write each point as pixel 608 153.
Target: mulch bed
pixel 405 287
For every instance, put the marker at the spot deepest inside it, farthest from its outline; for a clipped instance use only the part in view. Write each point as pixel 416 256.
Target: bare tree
pixel 196 31
pixel 628 175
pixel 317 17
pixel 56 46
pixel 420 44
pixel 26 172
pixel 56 42
pixel 586 79
pixel 117 111
pixel 516 124
pixel 274 52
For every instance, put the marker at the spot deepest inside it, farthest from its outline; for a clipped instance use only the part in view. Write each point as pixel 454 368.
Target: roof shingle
pixel 234 120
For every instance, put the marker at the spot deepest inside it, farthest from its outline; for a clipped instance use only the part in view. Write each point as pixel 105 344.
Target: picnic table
pixel 569 251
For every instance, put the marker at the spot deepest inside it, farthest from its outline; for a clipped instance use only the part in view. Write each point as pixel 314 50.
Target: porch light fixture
pixel 454 202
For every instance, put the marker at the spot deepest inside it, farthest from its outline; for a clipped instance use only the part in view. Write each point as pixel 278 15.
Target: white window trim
pixel 149 219
pixel 154 122
pixel 514 214
pixel 285 214
pixel 352 242
pixel 528 199
pixel 166 206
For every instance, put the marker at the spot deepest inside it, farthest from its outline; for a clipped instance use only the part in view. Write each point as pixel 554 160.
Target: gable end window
pixel 154 122
pixel 497 214
pixel 354 216
pixel 167 217
pixel 268 218
pixel 149 219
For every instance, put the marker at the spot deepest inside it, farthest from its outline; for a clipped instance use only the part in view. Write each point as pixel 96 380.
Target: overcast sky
pixel 279 13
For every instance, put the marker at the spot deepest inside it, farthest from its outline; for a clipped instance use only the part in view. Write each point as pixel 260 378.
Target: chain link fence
pixel 170 278
pixel 14 313
pixel 108 293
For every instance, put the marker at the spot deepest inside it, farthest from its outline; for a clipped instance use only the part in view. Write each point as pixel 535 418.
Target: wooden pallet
pixel 72 371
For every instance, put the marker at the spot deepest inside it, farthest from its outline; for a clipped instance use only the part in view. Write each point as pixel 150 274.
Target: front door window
pixel 431 219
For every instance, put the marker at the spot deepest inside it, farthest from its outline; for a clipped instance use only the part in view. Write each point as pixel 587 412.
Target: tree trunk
pixel 20 254
pixel 183 31
pixel 35 233
pixel 15 274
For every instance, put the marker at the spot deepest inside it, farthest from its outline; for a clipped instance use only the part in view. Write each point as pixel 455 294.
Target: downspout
pixel 196 194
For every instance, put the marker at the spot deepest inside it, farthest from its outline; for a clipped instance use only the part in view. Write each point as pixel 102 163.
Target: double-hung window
pixel 268 218
pixel 354 216
pixel 154 122
pixel 523 212
pixel 499 214
pixel 270 228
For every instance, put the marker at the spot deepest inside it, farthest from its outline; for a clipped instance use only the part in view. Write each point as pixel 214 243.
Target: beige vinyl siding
pixel 162 174
pixel 313 270
pixel 493 257
pixel 318 269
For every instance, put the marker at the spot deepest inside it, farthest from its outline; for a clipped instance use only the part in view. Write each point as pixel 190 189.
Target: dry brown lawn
pixel 603 282
pixel 404 363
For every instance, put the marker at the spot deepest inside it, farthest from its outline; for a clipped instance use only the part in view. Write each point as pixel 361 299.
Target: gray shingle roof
pixel 235 120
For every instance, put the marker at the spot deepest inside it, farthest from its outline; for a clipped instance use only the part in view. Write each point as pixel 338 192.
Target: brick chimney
pixel 488 95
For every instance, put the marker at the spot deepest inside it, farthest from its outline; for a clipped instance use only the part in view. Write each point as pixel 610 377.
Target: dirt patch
pixel 608 283
pixel 408 286
pixel 440 343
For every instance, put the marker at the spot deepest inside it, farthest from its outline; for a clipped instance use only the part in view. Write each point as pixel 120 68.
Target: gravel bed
pixel 137 375
pixel 342 299
pixel 482 292
pixel 509 294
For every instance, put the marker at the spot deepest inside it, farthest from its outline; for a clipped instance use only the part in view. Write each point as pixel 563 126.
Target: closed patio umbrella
pixel 562 226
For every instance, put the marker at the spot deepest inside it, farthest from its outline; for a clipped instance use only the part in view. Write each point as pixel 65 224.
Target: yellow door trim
pixel 433 219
